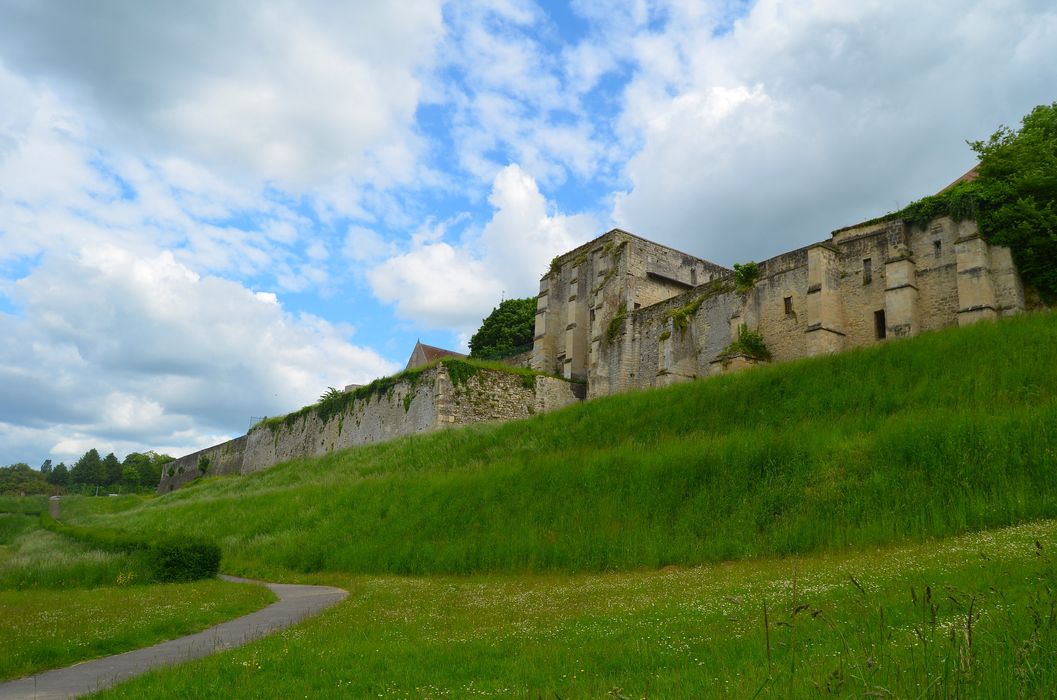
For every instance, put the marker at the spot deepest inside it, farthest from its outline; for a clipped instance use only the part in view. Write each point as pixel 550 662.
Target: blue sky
pixel 213 211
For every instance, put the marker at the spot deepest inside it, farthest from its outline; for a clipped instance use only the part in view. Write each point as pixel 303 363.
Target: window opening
pixel 789 306
pixel 879 324
pixel 867 271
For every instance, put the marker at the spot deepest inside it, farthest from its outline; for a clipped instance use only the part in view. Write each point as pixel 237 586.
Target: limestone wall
pixel 225 458
pixel 866 285
pixel 429 400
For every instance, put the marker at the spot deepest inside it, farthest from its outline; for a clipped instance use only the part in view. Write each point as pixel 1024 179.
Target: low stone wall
pixel 428 400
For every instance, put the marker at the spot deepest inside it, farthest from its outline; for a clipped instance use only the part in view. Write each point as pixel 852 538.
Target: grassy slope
pixel 59 602
pixel 942 434
pixel 902 628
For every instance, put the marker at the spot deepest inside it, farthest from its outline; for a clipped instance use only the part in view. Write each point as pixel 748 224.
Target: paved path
pixel 295 603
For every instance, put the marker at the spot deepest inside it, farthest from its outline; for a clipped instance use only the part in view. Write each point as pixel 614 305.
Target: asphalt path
pixel 295 603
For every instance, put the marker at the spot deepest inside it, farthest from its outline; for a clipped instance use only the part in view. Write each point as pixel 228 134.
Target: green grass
pixel 943 434
pixel 38 559
pixel 969 617
pixel 26 505
pixel 42 629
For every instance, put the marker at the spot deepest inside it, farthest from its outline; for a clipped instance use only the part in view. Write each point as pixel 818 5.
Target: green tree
pixel 1016 195
pixel 111 470
pixel 148 465
pixel 88 470
pixel 507 331
pixel 60 475
pixel 45 468
pixel 130 478
pixel 20 478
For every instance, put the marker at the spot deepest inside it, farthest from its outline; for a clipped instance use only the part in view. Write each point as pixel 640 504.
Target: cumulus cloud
pixel 291 92
pixel 806 116
pixel 114 349
pixel 438 284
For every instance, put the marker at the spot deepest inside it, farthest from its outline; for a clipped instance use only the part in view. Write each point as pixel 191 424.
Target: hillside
pixel 942 434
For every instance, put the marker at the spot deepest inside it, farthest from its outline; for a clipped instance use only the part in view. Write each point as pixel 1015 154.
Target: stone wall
pixel 421 402
pixel 866 285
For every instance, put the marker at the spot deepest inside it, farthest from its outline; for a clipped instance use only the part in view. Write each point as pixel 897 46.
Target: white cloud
pixel 293 93
pixel 117 349
pixel 807 116
pixel 441 285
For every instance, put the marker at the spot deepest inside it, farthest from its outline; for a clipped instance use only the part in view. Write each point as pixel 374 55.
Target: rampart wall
pixel 431 399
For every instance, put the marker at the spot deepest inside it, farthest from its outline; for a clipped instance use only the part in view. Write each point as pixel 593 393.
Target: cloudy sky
pixel 211 211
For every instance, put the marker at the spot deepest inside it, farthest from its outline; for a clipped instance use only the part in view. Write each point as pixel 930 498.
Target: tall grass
pixel 946 433
pixel 39 559
pixel 965 617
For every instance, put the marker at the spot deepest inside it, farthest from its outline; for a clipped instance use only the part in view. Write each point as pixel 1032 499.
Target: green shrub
pixel 178 561
pixel 169 558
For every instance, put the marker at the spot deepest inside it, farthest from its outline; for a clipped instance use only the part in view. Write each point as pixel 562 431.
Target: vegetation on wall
pixel 749 343
pixel 616 324
pixel 681 316
pixel 507 331
pixel 335 403
pixel 745 275
pixel 1013 198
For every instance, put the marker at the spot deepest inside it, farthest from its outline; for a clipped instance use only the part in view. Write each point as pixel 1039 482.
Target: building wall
pixel 920 279
pixel 429 402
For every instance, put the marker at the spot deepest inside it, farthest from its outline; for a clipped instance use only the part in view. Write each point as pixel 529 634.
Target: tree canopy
pixel 507 331
pixel 1013 198
pixel 1017 195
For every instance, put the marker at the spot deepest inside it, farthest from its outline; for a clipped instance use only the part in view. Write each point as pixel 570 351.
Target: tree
pixel 20 478
pixel 59 476
pixel 111 470
pixel 1016 193
pixel 148 465
pixel 507 331
pixel 88 469
pixel 45 468
pixel 130 478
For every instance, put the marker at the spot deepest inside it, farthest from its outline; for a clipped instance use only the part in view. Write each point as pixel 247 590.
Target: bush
pixel 170 559
pixel 179 561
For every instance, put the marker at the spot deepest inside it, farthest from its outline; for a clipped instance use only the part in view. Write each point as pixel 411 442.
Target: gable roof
pixel 424 354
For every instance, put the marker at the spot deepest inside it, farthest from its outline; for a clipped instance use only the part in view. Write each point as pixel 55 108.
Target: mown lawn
pixel 971 616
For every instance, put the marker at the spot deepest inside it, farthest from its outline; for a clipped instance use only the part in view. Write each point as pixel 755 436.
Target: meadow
pixel 947 433
pixel 62 602
pixel 880 523
pixel 971 616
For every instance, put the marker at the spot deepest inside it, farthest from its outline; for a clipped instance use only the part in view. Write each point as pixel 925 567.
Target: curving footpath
pixel 295 603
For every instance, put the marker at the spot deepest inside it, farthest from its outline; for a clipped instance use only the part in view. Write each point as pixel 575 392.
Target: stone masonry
pixel 427 402
pixel 610 311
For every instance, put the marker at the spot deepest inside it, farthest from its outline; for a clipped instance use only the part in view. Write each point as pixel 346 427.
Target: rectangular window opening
pixel 880 327
pixel 867 271
pixel 789 306
pixel 937 247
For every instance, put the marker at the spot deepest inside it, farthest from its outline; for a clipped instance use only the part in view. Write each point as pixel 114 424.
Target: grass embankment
pixel 62 602
pixel 946 433
pixel 968 617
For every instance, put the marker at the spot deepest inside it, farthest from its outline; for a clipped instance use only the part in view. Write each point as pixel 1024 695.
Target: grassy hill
pixel 942 434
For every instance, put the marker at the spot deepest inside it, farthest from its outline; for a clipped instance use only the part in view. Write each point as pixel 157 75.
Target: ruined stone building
pixel 624 313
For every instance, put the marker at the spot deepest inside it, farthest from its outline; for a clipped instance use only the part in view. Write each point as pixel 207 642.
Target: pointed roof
pixel 424 354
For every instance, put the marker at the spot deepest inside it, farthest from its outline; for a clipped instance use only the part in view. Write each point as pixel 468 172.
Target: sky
pixel 211 212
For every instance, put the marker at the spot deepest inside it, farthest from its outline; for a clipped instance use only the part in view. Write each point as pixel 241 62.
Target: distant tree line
pixel 139 471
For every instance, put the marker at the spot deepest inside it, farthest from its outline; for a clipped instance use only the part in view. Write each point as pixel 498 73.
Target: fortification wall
pixel 868 284
pixel 418 403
